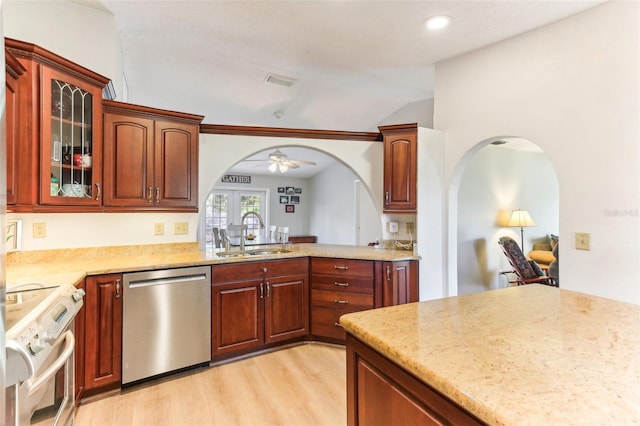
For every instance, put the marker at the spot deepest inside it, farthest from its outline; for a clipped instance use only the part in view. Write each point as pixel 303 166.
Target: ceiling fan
pixel 280 161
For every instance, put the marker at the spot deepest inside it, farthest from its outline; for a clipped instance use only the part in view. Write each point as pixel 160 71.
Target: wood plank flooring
pixel 299 385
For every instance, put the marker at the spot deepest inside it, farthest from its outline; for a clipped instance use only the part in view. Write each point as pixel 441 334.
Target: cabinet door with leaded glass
pixel 71 146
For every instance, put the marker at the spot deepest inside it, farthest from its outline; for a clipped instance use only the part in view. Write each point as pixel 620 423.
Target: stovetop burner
pixel 20 302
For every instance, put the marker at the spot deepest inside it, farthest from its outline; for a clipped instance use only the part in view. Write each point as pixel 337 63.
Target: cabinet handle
pixel 341 284
pixel 261 291
pixel 341 267
pixel 337 324
pixel 98 191
pixel 118 288
pixel 388 273
pixel 264 269
pixel 341 302
pixel 386 198
pixel 157 194
pixel 150 196
pixel 268 289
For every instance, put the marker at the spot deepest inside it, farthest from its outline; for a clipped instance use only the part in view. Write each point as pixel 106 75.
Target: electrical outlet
pixel 411 228
pixel 39 230
pixel 158 229
pixel 393 227
pixel 180 228
pixel 583 241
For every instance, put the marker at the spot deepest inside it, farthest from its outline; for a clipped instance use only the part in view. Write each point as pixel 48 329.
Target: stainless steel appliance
pixel 40 347
pixel 166 321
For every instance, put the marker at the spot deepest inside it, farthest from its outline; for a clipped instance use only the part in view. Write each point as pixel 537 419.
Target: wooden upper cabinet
pixel 400 168
pixel 150 158
pixel 13 71
pixel 59 108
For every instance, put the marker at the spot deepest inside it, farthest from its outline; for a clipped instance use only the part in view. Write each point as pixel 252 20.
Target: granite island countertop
pixel 528 355
pixel 70 266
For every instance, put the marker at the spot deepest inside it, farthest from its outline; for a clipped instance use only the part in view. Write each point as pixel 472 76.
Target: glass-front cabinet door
pixel 71 146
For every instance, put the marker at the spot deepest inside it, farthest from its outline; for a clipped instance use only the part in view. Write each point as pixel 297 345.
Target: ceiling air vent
pixel 279 79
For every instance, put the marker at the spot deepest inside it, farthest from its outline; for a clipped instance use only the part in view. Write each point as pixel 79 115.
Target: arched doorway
pixel 497 176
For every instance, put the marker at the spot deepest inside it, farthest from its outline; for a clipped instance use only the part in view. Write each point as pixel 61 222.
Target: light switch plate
pixel 158 229
pixel 583 241
pixel 393 227
pixel 39 230
pixel 180 228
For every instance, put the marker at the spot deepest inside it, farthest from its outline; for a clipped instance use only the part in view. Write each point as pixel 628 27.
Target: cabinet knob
pixel 150 196
pixel 98 191
pixel 337 324
pixel 341 302
pixel 340 284
pixel 386 198
pixel 157 194
pixel 341 267
pixel 388 273
pixel 118 289
pixel 268 289
pixel 261 291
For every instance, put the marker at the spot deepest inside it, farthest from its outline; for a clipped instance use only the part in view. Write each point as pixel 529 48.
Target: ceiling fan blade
pixel 290 164
pixel 311 163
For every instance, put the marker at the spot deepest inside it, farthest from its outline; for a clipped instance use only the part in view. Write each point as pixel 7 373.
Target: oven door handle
pixel 33 384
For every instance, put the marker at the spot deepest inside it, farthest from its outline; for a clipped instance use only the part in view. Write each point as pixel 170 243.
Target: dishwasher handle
pixel 166 281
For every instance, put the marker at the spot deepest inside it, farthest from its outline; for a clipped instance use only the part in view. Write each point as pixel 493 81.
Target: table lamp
pixel 521 218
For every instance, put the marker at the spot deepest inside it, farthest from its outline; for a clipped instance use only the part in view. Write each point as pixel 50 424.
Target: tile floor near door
pixel 299 385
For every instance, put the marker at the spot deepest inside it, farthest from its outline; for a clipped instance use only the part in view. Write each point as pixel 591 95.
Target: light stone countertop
pixel 528 355
pixel 70 266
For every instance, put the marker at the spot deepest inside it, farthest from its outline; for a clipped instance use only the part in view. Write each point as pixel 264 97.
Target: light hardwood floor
pixel 300 385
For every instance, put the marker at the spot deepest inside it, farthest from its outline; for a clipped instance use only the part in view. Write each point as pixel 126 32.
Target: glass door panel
pixel 70 141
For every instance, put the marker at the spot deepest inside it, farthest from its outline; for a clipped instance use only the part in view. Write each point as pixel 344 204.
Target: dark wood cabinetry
pixel 59 154
pixel 381 393
pixel 400 282
pixel 400 168
pixel 258 303
pixel 102 369
pixel 338 287
pixel 150 158
pixel 13 71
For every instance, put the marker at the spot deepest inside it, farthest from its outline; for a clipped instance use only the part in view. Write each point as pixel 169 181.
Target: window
pixel 227 206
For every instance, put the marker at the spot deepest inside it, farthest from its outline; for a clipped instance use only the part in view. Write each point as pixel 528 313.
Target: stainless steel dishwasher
pixel 166 321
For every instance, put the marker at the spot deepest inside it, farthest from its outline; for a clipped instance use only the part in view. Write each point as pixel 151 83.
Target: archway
pixel 496 176
pixel 334 191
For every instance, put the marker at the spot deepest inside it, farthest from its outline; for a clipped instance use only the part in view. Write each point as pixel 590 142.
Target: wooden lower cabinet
pixel 342 286
pixel 102 369
pixel 379 392
pixel 400 282
pixel 258 303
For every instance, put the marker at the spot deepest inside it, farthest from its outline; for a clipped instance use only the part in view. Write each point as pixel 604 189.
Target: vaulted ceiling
pixel 353 63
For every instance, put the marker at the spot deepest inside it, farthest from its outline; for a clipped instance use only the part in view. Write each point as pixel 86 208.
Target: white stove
pixel 40 345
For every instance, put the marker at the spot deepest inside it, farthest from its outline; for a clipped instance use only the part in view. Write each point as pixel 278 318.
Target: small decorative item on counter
pixel 251 237
pixel 55 185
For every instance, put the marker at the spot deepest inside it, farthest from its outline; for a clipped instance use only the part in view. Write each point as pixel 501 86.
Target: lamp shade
pixel 521 218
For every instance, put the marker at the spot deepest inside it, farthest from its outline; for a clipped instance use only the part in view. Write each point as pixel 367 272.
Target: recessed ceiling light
pixel 437 22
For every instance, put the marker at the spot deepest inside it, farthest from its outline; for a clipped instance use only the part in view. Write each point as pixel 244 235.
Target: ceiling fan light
pixel 283 167
pixel 273 167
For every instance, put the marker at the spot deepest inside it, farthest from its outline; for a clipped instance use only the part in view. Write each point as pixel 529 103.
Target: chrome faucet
pixel 244 228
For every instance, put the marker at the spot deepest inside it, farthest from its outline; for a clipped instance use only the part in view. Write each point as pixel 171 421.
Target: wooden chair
pixel 526 271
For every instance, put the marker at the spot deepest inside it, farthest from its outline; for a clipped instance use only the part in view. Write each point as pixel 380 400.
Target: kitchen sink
pixel 267 251
pixel 231 253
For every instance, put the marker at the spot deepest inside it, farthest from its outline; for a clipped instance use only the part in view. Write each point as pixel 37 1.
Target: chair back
pixel 516 258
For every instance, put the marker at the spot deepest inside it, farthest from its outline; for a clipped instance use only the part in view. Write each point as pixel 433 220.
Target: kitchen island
pixel 527 355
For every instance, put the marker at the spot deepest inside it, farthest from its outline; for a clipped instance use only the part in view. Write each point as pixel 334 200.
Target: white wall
pixel 342 211
pixel 79 33
pixel 496 181
pixel 298 222
pixel 572 88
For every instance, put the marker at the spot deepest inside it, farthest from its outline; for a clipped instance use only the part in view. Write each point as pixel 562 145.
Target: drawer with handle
pixel 342 267
pixel 333 283
pixel 339 299
pixel 325 322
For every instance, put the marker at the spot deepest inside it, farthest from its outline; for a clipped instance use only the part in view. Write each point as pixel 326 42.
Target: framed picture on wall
pixel 298 190
pixel 281 190
pixel 284 199
pixel 294 199
pixel 290 190
pixel 290 208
